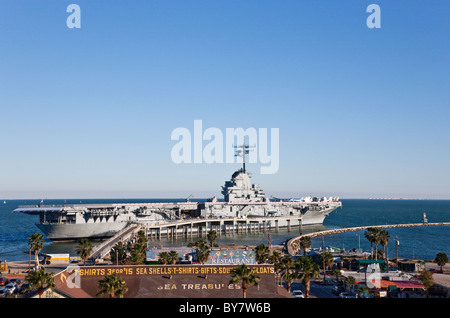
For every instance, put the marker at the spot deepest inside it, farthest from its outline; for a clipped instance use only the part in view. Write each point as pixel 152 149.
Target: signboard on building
pixel 166 281
pixel 183 253
pixel 234 257
pixel 216 257
pixel 158 270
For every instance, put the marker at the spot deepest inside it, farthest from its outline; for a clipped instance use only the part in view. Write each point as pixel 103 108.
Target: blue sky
pixel 88 113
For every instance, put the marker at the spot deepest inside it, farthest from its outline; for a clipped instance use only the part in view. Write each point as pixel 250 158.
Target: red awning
pixel 408 284
pixel 384 284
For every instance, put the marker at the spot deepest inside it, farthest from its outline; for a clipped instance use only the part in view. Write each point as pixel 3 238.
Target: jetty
pixel 293 245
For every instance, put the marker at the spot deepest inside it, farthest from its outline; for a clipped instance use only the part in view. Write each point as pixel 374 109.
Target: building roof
pixel 401 284
pixel 384 284
pixel 371 261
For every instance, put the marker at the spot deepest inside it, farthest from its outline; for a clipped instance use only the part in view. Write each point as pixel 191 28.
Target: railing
pixel 99 251
pixel 174 204
pixel 44 206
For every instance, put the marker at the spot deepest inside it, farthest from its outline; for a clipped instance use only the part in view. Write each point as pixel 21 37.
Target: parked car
pixel 4 281
pixel 338 289
pixel 2 292
pixel 10 288
pixel 24 288
pixel 297 294
pixel 433 270
pixel 15 280
pixel 345 295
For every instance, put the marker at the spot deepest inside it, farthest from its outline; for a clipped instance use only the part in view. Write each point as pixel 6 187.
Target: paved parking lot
pixel 317 290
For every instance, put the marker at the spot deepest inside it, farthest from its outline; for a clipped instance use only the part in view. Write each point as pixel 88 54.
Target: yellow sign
pixel 169 270
pixel 187 286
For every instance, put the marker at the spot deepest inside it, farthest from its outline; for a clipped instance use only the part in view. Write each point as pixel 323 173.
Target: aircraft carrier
pixel 242 200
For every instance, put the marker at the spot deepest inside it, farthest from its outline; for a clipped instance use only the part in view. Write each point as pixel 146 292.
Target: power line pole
pixel 365 269
pixel 323 257
pixel 396 251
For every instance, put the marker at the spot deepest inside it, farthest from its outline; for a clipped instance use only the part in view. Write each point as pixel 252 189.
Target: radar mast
pixel 242 150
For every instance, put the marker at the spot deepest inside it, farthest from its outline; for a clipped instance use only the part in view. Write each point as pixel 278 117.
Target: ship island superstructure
pixel 242 201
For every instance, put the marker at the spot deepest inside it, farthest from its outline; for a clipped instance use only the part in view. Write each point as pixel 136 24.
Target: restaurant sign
pixel 231 257
pixel 216 257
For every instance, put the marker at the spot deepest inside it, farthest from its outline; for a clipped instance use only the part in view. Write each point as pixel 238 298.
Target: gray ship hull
pixel 70 232
pixel 316 217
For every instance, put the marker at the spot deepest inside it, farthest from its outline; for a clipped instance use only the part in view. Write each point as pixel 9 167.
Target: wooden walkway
pixel 293 244
pixel 105 247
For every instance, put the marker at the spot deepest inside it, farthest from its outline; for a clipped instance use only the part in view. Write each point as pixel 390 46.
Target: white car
pixel 297 294
pixel 10 288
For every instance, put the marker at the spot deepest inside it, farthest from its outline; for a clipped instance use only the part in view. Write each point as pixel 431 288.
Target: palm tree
pixel 289 275
pixel 36 243
pixel 173 257
pixel 287 271
pixel 84 249
pixel 112 285
pixel 118 253
pixel 377 240
pixel 202 250
pixel 305 243
pixel 372 235
pixel 336 272
pixel 137 253
pixel 368 234
pixel 441 259
pixel 136 250
pixel 384 239
pixel 212 237
pixel 308 270
pixel 287 261
pixel 246 275
pixel 327 260
pixel 275 259
pixel 40 279
pixel 142 238
pixel 202 253
pixel 426 277
pixel 350 281
pixel 164 258
pixel 261 253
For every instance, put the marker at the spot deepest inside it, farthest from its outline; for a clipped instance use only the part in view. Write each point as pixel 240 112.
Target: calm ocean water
pixel 423 242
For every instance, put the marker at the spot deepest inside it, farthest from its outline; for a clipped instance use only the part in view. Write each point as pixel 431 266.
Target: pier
pixel 201 226
pixel 293 245
pixel 197 227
